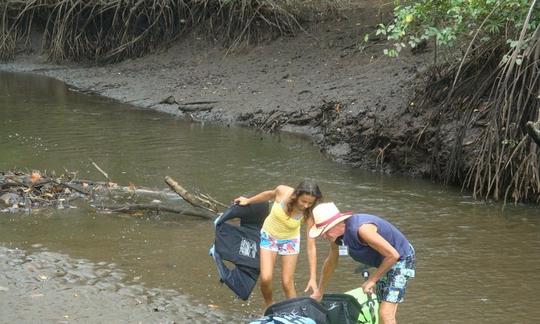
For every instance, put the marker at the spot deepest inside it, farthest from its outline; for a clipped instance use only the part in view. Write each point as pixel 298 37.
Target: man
pixel 372 241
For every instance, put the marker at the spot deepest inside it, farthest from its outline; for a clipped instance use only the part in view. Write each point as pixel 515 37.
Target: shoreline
pixel 349 101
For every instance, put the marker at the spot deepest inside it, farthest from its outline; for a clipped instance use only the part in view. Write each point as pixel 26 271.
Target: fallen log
pixel 186 108
pixel 157 208
pixel 89 182
pixel 191 103
pixel 73 187
pixel 7 185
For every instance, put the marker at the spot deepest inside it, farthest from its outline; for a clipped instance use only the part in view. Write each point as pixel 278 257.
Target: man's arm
pixel 312 258
pixel 368 234
pixel 328 268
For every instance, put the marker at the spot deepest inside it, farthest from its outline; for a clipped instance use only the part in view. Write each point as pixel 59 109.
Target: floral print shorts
pixel 391 287
pixel 282 247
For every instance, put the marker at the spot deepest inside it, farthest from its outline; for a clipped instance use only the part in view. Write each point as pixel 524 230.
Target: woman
pixel 280 235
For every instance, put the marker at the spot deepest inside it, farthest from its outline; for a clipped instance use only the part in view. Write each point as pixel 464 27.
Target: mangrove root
pixel 109 31
pixel 533 129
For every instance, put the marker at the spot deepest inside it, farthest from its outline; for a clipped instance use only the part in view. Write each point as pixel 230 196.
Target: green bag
pixel 369 313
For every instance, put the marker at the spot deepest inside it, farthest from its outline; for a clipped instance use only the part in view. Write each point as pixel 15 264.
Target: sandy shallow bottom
pixel 49 287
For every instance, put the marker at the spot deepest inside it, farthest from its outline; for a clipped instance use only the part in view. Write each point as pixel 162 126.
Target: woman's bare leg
pixel 267 262
pixel 288 268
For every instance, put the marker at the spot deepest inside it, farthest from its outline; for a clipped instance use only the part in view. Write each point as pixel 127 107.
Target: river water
pixel 477 262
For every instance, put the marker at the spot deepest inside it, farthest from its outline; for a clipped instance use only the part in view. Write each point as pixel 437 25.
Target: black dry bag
pixel 300 306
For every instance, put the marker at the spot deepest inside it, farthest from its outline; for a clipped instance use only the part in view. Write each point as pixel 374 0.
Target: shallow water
pixel 476 261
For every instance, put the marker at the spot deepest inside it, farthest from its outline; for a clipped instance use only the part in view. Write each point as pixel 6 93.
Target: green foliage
pixel 447 21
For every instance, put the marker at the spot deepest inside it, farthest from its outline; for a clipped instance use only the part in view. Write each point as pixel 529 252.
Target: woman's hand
pixel 242 201
pixel 317 296
pixel 312 284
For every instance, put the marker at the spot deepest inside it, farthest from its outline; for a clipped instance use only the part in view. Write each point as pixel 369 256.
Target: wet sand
pixel 50 287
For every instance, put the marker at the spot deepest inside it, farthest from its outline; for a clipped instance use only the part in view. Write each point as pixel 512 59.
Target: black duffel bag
pixel 300 306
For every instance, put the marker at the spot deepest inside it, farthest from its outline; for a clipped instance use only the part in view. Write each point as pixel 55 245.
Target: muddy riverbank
pixel 352 100
pixel 52 287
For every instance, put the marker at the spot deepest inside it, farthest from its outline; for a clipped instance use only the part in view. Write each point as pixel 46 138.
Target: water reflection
pixel 476 261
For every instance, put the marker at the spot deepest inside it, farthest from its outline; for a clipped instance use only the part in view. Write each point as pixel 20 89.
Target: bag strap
pixel 370 302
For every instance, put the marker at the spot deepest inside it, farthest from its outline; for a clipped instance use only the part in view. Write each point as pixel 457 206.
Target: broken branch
pixel 193 200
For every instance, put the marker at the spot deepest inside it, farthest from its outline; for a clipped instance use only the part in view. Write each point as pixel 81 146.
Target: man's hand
pixel 369 287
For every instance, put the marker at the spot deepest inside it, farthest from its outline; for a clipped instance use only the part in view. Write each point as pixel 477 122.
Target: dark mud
pixel 355 103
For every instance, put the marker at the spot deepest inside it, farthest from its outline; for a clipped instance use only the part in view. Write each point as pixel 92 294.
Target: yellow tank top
pixel 280 225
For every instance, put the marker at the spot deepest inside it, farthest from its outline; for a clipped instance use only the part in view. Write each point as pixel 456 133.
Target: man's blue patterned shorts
pixel 391 287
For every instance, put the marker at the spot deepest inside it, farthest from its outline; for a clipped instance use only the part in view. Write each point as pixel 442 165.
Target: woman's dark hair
pixel 306 187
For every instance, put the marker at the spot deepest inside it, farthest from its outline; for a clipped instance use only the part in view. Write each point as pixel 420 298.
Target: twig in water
pixel 100 170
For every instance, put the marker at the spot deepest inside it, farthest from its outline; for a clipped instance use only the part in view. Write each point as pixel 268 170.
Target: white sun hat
pixel 326 216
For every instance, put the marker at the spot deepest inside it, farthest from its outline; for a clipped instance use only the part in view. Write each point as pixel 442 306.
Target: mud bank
pixel 354 102
pixel 43 286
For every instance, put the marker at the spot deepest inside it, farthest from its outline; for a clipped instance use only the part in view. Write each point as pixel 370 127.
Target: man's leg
pixel 387 312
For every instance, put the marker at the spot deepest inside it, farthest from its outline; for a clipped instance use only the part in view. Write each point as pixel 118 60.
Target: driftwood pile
pixel 25 191
pixel 20 191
